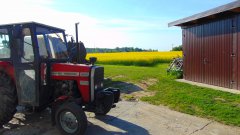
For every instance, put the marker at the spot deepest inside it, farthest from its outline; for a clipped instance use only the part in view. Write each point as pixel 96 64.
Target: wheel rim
pixel 68 122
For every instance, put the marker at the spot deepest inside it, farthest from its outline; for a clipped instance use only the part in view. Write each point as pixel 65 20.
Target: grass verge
pixel 204 102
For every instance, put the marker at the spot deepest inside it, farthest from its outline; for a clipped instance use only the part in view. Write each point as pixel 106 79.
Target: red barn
pixel 211 46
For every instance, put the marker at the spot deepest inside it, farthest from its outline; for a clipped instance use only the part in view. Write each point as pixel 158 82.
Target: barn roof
pixel 231 8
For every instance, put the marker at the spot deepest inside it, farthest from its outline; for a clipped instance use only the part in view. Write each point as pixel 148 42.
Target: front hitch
pixel 116 93
pixel 105 100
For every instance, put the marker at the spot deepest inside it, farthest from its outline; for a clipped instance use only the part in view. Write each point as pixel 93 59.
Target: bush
pixel 178 74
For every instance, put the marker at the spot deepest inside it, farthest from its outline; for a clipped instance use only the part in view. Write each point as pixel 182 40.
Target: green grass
pixel 204 102
pixel 134 73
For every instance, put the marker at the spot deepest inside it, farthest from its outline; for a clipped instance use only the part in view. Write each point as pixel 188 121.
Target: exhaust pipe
pixel 77 44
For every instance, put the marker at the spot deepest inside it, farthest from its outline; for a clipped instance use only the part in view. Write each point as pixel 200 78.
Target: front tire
pixel 71 119
pixel 8 98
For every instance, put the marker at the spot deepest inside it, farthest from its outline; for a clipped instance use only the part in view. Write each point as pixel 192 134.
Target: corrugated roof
pixel 232 7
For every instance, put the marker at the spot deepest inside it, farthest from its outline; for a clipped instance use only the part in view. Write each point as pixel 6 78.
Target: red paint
pixel 7 67
pixel 62 98
pixel 69 67
pixel 207 50
pixel 58 67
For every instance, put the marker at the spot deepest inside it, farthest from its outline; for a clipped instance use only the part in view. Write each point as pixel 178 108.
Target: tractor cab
pixel 31 48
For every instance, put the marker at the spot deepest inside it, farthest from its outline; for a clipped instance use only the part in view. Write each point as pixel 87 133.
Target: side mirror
pixel 92 60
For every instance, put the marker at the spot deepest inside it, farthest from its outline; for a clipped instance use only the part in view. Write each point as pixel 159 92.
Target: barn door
pixel 233 82
pixel 237 33
pixel 192 53
pixel 217 53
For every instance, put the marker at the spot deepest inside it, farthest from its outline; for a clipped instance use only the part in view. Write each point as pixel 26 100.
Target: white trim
pixel 84 74
pixel 92 83
pixel 74 74
pixel 84 82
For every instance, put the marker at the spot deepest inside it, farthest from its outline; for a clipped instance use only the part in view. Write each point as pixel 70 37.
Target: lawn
pixel 204 102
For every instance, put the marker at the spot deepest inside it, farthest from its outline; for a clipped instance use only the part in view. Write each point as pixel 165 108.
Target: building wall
pixel 210 52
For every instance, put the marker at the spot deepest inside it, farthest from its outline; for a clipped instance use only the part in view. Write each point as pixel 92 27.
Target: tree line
pixel 177 48
pixel 118 49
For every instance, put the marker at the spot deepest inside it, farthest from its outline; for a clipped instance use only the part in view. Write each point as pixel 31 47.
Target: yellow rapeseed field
pixel 135 58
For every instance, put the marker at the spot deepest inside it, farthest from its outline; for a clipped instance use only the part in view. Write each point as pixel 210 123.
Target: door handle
pixel 233 55
pixel 205 61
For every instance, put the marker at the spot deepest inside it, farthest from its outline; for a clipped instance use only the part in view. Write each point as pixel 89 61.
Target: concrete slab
pixel 209 86
pixel 128 118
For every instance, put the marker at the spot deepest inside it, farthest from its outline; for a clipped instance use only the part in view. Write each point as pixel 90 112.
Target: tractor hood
pixel 76 72
pixel 89 78
pixel 70 70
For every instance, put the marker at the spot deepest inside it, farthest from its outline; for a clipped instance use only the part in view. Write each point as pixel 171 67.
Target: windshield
pixel 51 44
pixel 4 44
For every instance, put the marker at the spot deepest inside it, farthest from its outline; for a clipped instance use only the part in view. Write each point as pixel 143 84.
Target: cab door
pixel 25 65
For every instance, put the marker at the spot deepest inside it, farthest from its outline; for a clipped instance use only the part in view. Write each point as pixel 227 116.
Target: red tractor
pixel 36 71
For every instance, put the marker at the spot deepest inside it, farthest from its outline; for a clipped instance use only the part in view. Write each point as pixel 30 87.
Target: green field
pixel 204 102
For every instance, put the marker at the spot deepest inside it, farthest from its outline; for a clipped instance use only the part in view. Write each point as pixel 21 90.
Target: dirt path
pixel 133 118
pixel 133 92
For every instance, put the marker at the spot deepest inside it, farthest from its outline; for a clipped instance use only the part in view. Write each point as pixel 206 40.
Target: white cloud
pixel 136 25
pixel 89 31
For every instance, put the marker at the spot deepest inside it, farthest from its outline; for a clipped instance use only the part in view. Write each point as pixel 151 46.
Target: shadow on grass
pixel 125 87
pixel 118 127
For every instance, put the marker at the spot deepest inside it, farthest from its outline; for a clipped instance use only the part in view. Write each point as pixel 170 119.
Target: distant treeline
pixel 118 49
pixel 177 48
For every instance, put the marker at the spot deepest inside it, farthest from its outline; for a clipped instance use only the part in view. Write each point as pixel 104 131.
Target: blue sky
pixel 112 23
pixel 151 17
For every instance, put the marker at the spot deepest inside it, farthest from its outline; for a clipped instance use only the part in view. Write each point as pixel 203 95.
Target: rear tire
pixel 71 119
pixel 8 99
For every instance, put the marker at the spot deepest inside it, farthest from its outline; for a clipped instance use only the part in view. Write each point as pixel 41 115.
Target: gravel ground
pixel 128 118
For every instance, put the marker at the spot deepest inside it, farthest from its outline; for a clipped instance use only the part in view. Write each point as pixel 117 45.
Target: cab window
pixel 51 44
pixel 4 44
pixel 28 54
